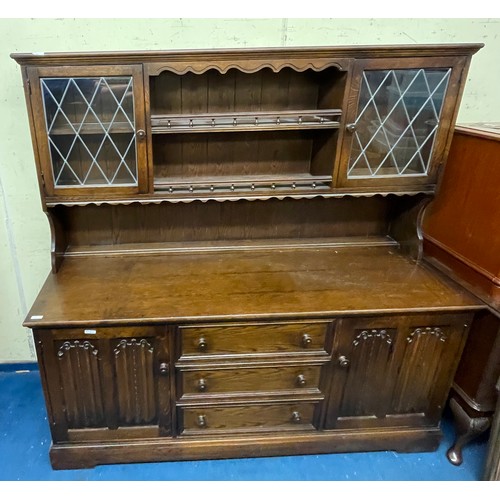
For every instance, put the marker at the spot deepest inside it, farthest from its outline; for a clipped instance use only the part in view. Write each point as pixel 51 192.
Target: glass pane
pixel 398 115
pixel 91 130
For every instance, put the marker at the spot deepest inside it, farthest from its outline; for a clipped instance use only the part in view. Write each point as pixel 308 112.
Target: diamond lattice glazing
pixel 396 126
pixel 91 130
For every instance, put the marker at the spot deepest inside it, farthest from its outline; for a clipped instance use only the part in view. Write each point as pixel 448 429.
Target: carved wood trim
pixel 373 333
pixel 181 198
pixel 429 331
pixel 245 66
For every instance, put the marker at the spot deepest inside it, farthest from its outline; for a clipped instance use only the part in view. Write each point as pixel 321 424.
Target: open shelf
pixel 292 158
pixel 246 121
pixel 237 92
pixel 299 111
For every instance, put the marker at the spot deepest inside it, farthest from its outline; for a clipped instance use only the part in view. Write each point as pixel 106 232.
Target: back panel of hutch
pixel 236 250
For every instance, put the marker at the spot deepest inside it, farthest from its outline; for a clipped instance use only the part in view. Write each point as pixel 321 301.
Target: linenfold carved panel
pixel 80 384
pixel 422 355
pixel 372 348
pixel 135 382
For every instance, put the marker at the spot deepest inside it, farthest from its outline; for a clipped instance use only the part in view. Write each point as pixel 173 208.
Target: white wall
pixel 24 232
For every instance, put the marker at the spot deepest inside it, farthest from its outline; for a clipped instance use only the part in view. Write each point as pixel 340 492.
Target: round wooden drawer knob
pixel 202 344
pixel 202 385
pixel 296 418
pixel 300 380
pixel 201 421
pixel 306 340
pixel 344 361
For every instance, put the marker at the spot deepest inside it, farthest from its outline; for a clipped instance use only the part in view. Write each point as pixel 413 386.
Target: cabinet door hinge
pixel 43 179
pixel 29 86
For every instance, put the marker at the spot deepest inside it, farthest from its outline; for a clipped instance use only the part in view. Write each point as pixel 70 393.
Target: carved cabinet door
pixel 394 370
pixel 106 383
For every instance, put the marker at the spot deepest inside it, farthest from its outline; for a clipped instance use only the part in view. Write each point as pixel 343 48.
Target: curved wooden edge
pixel 155 199
pixel 78 456
pixel 246 66
pixel 58 242
pixel 406 228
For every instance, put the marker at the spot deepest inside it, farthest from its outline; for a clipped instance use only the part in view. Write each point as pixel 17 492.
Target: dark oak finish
pixel 447 116
pixel 247 340
pixel 248 418
pixel 108 378
pixel 200 383
pixel 287 91
pixel 241 295
pixel 390 371
pixel 247 285
pixel 135 72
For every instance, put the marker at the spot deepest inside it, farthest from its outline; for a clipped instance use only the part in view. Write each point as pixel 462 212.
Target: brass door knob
pixel 141 134
pixel 300 380
pixel 202 385
pixel 351 127
pixel 296 418
pixel 202 344
pixel 306 340
pixel 163 368
pixel 344 361
pixel 201 421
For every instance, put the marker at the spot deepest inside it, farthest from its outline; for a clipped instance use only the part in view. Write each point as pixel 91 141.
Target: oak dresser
pixel 236 250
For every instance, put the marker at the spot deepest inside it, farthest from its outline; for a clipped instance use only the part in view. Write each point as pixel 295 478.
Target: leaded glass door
pixel 393 135
pixel 91 126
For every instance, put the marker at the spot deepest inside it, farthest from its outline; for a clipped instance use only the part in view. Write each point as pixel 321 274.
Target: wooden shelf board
pixel 254 121
pixel 223 246
pixel 232 285
pixel 240 180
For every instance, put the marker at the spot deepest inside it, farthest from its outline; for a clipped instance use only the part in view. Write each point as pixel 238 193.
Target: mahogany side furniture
pixel 492 468
pixel 462 237
pixel 237 250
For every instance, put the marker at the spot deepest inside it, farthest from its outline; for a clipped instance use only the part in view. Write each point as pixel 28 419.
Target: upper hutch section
pixel 242 124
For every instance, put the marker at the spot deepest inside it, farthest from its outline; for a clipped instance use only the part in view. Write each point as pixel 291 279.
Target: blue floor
pixel 25 441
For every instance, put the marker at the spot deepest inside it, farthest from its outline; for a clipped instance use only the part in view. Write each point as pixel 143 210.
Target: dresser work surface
pixel 222 285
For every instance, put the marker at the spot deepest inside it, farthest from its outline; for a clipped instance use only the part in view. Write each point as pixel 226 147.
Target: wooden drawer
pixel 202 382
pixel 253 339
pixel 249 418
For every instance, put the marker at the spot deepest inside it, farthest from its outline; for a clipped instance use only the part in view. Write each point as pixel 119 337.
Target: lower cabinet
pixel 393 371
pixel 106 383
pixel 352 383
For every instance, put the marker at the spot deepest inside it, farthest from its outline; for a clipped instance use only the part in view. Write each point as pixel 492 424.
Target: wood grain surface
pixel 229 285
